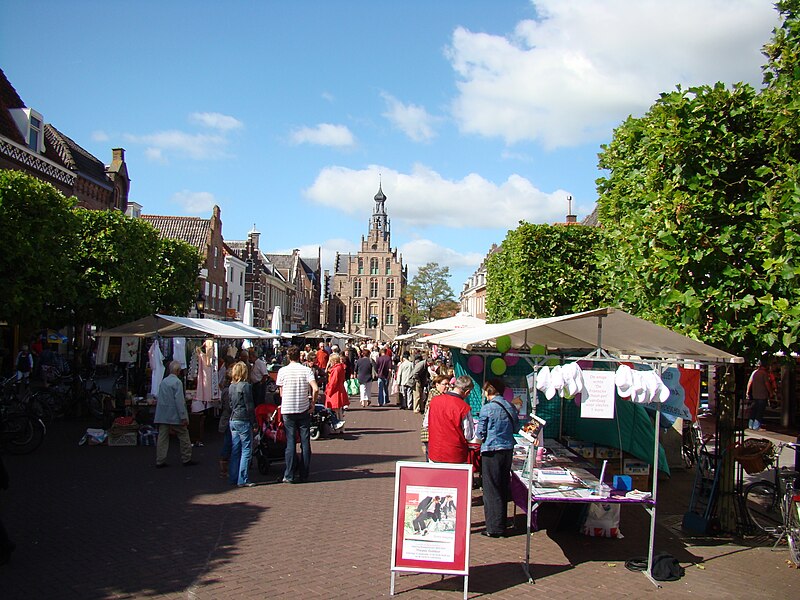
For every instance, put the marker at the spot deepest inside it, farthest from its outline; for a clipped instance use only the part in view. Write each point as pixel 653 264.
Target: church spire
pixel 380 222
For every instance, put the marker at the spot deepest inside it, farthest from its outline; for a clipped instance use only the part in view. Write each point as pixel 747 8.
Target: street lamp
pixel 200 304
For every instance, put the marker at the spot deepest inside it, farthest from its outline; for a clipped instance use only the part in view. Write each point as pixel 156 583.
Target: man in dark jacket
pixel 383 369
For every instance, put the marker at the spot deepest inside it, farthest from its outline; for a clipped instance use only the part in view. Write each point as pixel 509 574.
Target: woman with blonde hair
pixel 241 425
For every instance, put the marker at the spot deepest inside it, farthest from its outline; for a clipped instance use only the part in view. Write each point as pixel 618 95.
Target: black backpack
pixel 665 567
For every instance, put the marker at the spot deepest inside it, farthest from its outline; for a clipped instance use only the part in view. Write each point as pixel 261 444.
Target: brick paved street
pixel 101 522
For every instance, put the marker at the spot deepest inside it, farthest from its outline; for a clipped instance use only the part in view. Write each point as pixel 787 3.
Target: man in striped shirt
pixel 295 380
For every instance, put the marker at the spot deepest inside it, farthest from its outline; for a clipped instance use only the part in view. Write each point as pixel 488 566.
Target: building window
pixel 357 288
pixel 34 133
pixel 390 288
pixel 388 266
pixel 373 266
pixel 356 313
pixel 360 266
pixel 389 315
pixel 216 255
pixel 241 278
pixel 339 314
pixel 373 288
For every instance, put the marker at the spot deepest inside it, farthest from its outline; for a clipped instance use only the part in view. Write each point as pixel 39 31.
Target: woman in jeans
pixel 497 423
pixel 241 425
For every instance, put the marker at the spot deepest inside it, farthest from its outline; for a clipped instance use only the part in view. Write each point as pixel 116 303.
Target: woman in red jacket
pixel 336 397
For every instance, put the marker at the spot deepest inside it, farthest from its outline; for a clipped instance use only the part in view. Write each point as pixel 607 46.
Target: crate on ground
pixel 124 432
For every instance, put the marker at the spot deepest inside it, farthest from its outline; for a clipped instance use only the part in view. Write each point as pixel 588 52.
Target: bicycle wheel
pixel 762 506
pixel 793 533
pixel 22 434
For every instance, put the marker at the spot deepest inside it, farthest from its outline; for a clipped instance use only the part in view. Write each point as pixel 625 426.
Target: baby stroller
pixel 270 441
pixel 324 422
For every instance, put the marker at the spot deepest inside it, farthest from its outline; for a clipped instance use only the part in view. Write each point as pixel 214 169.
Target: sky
pixel 471 115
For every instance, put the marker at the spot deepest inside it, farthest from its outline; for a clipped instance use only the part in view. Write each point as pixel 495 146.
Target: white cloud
pixel 155 155
pixel 424 198
pixel 420 252
pixel 328 96
pixel 100 136
pixel 324 134
pixel 216 121
pixel 411 119
pixel 194 203
pixel 583 67
pixel 196 146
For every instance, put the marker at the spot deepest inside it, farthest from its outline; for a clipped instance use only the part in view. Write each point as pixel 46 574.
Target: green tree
pixel 175 281
pixel 428 291
pixel 39 234
pixel 544 270
pixel 115 265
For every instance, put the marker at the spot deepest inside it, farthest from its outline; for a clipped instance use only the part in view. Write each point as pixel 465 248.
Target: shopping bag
pixel 602 520
pixel 352 386
pixel 395 386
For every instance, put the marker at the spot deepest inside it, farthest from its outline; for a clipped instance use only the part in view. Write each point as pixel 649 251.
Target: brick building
pixel 28 143
pixel 264 284
pixel 366 291
pixel 304 277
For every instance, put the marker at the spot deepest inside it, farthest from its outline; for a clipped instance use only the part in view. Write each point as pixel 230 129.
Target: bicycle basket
pixel 752 454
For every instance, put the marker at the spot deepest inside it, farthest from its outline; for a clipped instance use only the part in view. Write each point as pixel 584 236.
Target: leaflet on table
pixel 554 475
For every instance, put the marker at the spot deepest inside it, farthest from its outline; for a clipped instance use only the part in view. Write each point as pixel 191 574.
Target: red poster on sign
pixel 431 517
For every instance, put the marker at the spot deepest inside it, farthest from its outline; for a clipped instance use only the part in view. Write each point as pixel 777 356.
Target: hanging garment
pixel 156 367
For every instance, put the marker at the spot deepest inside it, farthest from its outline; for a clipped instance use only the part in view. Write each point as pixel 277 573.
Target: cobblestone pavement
pixel 102 522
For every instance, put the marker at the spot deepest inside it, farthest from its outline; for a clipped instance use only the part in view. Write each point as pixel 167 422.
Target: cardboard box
pixel 128 438
pixel 125 435
pixel 634 466
pixel 606 453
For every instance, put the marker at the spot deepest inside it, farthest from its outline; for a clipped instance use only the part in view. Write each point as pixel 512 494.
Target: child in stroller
pixel 270 443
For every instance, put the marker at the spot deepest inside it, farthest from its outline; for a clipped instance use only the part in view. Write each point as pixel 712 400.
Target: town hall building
pixel 365 294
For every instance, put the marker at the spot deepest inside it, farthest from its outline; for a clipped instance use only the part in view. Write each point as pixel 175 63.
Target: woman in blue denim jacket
pixel 497 423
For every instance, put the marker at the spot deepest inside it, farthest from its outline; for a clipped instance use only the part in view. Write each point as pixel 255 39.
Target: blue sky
pixel 474 114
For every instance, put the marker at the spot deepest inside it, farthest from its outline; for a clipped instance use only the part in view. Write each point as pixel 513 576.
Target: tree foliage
pixel 174 282
pixel 427 292
pixel 39 232
pixel 702 208
pixel 544 270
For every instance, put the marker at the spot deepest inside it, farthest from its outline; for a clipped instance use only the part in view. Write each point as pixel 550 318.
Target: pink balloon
pixel 511 359
pixel 508 394
pixel 475 364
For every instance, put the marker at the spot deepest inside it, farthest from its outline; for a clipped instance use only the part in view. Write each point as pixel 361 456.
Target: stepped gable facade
pixel 365 293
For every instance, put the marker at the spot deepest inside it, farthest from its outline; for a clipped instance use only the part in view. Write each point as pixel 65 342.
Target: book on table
pixel 554 475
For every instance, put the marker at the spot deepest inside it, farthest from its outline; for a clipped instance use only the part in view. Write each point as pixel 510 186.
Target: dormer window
pixel 31 125
pixel 34 134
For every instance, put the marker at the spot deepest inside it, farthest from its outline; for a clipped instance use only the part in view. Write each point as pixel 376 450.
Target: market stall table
pixel 563 477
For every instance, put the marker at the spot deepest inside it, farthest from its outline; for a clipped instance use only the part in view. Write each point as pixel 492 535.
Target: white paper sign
pixel 599 403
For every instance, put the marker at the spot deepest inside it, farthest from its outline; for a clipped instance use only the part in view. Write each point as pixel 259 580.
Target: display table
pixel 578 485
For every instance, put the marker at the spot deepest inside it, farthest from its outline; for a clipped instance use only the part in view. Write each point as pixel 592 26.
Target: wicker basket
pixel 752 454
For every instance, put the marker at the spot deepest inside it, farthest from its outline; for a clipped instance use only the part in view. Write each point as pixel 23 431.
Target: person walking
pixel 298 389
pixel 419 379
pixel 498 421
pixel 171 414
pixel 336 397
pixel 449 423
pixel 364 366
pixel 383 369
pixel 760 388
pixel 404 383
pixel 242 422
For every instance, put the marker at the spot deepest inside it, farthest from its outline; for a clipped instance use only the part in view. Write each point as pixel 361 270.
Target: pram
pixel 270 440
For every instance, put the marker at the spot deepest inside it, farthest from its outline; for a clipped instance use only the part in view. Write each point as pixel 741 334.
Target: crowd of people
pixel 310 376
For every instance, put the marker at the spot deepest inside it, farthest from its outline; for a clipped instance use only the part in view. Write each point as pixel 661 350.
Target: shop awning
pixel 169 326
pixel 611 329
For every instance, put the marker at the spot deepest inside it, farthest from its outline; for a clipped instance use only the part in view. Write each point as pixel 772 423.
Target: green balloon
pixel 503 343
pixel 498 366
pixel 538 350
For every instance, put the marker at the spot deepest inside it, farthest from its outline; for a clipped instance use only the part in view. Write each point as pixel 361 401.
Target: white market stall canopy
pixel 315 334
pixel 459 321
pixel 168 326
pixel 611 329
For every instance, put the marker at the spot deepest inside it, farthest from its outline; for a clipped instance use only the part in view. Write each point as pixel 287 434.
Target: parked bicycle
pixel 773 507
pixel 75 397
pixel 22 399
pixel 20 432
